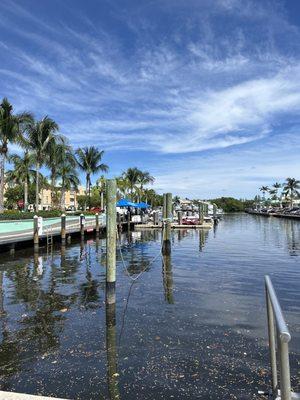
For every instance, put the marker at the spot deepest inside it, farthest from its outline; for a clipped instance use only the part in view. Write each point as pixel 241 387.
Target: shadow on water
pixel 191 326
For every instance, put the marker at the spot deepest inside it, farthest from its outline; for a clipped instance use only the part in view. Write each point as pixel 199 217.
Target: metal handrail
pixel 279 318
pixel 279 337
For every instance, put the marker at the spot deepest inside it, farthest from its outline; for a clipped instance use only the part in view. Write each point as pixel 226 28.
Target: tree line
pixel 44 146
pixel 282 192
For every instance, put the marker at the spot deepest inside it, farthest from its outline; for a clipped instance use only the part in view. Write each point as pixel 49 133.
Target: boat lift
pixel 279 338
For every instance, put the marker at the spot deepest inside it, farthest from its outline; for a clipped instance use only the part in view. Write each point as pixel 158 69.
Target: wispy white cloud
pixel 194 85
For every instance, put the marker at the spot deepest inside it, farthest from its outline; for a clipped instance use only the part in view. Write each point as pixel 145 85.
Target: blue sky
pixel 203 94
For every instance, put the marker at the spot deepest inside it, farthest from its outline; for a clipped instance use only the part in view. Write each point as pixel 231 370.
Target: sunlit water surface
pixel 192 326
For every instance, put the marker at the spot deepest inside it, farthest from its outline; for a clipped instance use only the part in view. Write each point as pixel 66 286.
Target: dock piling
pixel 201 213
pixel 168 209
pixel 179 214
pixel 111 232
pixel 97 224
pixel 112 354
pixel 36 232
pixel 215 217
pixel 164 214
pixel 63 229
pixel 82 220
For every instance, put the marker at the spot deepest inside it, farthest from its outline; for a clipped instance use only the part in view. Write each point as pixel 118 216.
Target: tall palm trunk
pixel 25 195
pixel 63 197
pixel 86 191
pixel 53 183
pixel 89 194
pixel 37 188
pixel 2 182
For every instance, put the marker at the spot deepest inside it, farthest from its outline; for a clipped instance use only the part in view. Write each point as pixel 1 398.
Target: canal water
pixel 192 326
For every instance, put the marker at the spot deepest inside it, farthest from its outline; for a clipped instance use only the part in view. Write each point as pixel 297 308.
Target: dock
pixel 274 214
pixel 50 233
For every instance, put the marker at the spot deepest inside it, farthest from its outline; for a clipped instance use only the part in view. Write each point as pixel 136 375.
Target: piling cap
pixel 35 216
pixel 63 215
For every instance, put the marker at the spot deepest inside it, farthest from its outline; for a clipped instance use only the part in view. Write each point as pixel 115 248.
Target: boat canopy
pixel 142 205
pixel 125 203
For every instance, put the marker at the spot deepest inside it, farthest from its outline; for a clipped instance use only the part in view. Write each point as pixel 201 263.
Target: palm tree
pixel 40 136
pixel 100 184
pixel 69 180
pixel 122 186
pixel 22 174
pixel 58 154
pixel 132 175
pixel 89 161
pixel 12 127
pixel 291 189
pixel 274 191
pixel 264 189
pixel 144 179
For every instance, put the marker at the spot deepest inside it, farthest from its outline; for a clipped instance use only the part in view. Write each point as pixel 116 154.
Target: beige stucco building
pixel 70 199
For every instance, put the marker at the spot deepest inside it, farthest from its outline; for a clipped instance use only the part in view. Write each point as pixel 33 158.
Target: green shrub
pixel 229 204
pixel 14 214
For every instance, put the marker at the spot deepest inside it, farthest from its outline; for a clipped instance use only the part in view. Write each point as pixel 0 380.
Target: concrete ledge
pixel 22 396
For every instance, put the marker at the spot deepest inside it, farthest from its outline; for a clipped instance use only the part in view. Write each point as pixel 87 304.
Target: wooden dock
pixel 277 215
pixel 25 238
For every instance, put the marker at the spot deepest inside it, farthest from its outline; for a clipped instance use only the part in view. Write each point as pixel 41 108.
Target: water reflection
pixel 203 235
pixel 168 278
pixel 208 334
pixel 112 354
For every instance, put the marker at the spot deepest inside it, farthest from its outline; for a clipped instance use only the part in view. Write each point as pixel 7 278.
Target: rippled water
pixel 192 326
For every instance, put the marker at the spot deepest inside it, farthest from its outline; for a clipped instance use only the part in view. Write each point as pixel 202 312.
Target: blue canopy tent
pixel 125 203
pixel 142 205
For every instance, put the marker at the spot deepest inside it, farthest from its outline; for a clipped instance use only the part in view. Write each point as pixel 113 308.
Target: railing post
pixel 285 378
pixel 36 232
pixel 97 224
pixel 272 344
pixel 111 232
pixel 63 229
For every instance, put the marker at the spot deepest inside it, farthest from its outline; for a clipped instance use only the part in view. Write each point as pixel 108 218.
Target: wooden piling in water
pixel 201 213
pixel 36 233
pixel 205 209
pixel 215 212
pixel 82 218
pixel 111 231
pixel 155 218
pixel 164 214
pixel 128 220
pixel 168 207
pixel 97 224
pixel 179 215
pixel 63 229
pixel 112 354
pixel 168 278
